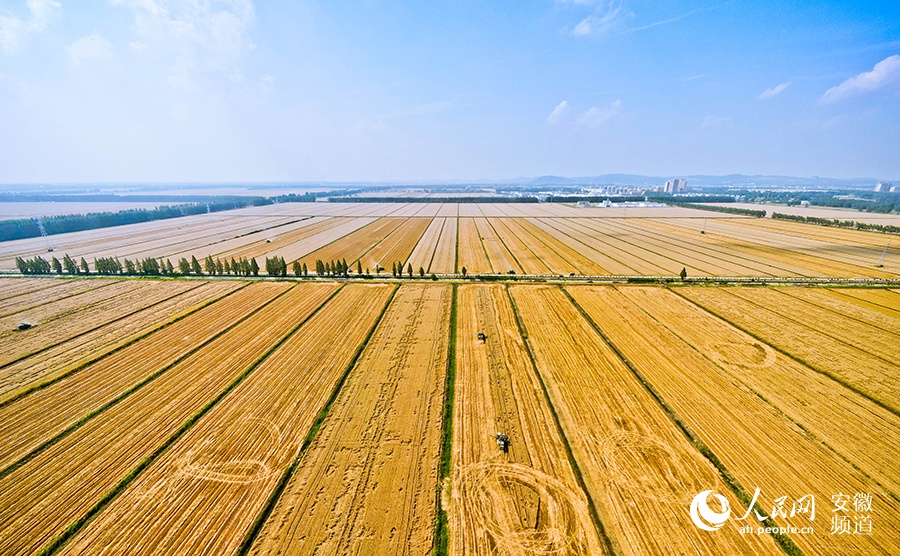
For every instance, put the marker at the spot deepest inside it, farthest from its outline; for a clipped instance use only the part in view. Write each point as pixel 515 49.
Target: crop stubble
pixel 40 498
pixel 639 468
pixel 367 483
pixel 216 478
pixel 525 501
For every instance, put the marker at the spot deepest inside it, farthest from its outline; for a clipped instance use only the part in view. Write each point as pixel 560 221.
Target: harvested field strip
pixel 188 233
pixel 725 246
pixel 537 240
pixel 216 478
pixel 262 244
pixel 61 357
pixel 667 255
pixel 709 261
pixel 470 210
pixel 851 366
pixel 117 300
pixel 864 434
pixel 259 243
pixel 444 261
pixel 525 256
pixel 35 298
pixel 755 443
pixel 423 254
pixel 640 470
pixel 14 287
pixel 32 420
pixel 627 249
pixel 784 249
pixel 586 243
pixel 354 245
pixel 828 300
pixel 398 246
pixel 858 238
pixel 301 247
pixel 867 338
pixel 502 261
pixel 84 294
pixel 66 482
pixel 367 483
pixel 65 357
pixel 885 301
pixel 472 255
pixel 560 251
pixel 499 500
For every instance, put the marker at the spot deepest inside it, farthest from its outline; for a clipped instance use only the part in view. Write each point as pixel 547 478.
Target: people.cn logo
pixel 704 517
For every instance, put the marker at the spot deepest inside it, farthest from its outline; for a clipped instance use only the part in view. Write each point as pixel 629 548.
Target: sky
pixel 148 91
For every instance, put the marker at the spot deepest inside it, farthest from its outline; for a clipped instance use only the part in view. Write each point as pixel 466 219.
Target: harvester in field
pixel 481 337
pixel 502 442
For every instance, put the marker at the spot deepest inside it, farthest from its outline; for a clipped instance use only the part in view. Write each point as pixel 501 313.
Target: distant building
pixel 804 204
pixel 882 186
pixel 675 186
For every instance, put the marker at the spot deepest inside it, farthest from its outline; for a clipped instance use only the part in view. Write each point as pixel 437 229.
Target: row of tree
pixel 887 228
pixel 275 266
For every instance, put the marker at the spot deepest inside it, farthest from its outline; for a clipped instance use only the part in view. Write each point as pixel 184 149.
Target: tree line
pixel 31 227
pixel 274 266
pixel 886 228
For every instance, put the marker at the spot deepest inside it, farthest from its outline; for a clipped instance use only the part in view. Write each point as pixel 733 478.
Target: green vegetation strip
pixel 276 493
pixel 74 527
pixel 785 542
pixel 81 366
pixel 592 507
pixel 441 538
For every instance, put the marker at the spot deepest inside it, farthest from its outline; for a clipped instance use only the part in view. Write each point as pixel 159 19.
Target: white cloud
pixel 15 32
pixel 773 91
pixel 605 16
pixel 884 73
pixel 88 49
pixel 597 116
pixel 197 36
pixel 558 113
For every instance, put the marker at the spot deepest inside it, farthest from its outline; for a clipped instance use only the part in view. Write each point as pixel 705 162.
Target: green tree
pixel 169 268
pixel 84 266
pixel 421 272
pixel 683 273
pixel 57 266
pixel 409 270
pixel 305 271
pixel 254 267
pixel 184 266
pixel 195 266
pixel 298 270
pixel 358 267
pixel 464 271
pixel 220 268
pixel 130 269
pixel 209 265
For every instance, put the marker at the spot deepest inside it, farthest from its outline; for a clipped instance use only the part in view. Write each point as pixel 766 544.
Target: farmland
pixel 541 239
pixel 210 414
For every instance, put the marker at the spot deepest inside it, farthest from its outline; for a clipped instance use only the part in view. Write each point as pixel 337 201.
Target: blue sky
pixel 236 90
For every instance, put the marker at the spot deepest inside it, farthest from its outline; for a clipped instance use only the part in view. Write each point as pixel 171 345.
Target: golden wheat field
pixel 540 239
pixel 223 416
